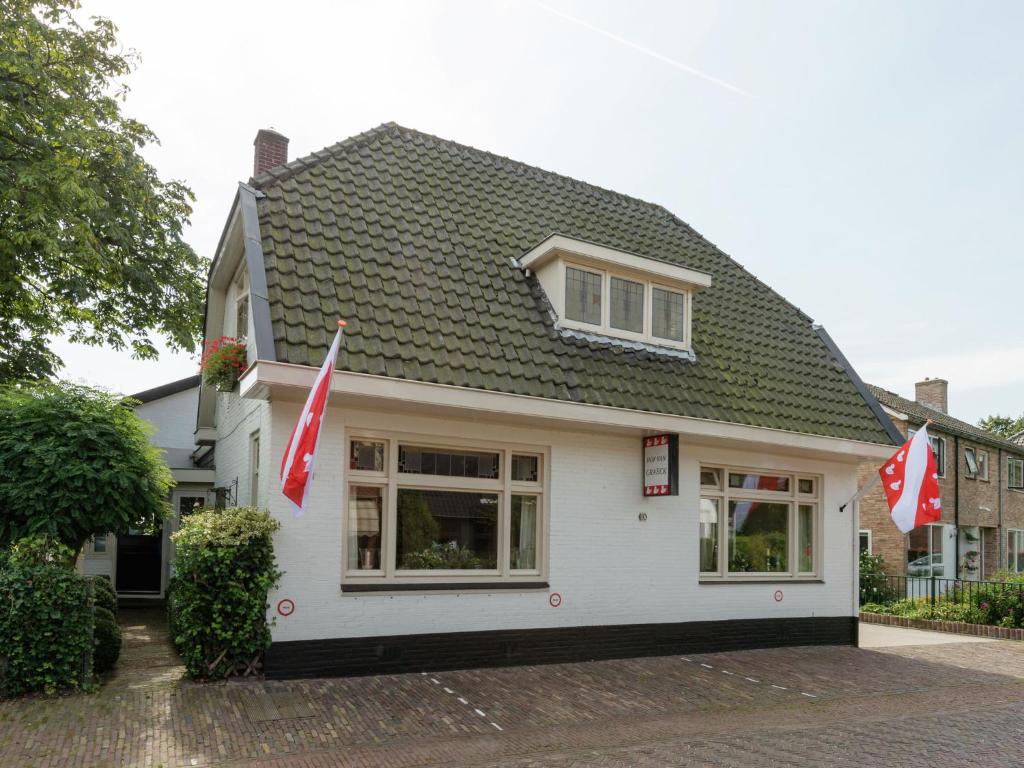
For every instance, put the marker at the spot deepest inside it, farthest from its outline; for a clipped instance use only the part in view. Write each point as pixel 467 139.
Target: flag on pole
pixel 911 483
pixel 300 455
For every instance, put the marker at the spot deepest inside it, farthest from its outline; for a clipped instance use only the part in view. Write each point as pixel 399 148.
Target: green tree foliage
pixel 224 566
pixel 90 237
pixel 75 462
pixel 1004 426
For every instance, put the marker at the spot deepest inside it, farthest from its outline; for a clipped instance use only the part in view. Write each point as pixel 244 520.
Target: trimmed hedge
pixel 104 595
pixel 224 567
pixel 46 620
pixel 107 637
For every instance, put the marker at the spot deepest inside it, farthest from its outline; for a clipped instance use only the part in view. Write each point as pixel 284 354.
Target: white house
pixel 138 563
pixel 563 425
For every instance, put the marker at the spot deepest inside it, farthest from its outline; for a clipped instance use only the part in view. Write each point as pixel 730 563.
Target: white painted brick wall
pixel 237 419
pixel 609 567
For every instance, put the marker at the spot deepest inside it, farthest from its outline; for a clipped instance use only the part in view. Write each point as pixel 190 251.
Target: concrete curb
pixel 956 627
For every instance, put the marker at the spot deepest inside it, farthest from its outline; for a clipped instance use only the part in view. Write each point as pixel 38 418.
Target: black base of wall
pixel 341 657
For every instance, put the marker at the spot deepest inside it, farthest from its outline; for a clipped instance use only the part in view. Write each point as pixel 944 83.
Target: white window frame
pixel 1019 464
pixel 971 457
pixel 254 468
pixel 939 454
pixel 605 327
pixel 793 497
pixel 862 532
pixel 390 480
pixel 242 295
pixel 1014 564
pixel 105 552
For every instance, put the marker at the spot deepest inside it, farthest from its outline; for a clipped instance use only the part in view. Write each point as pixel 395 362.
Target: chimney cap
pixel 270 132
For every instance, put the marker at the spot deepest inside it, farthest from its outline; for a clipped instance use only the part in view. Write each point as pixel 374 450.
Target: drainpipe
pixel 1000 534
pixel 956 504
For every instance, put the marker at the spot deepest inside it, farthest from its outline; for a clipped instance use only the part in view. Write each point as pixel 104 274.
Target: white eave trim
pixel 265 377
pixel 612 257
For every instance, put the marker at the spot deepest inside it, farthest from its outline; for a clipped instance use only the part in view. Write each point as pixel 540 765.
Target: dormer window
pixel 241 330
pixel 600 290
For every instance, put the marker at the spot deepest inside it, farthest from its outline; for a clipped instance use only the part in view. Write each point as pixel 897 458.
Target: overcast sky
pixel 863 159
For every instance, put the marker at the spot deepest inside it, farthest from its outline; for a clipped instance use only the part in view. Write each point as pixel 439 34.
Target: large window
pixel 1015 551
pixel 631 307
pixel 1015 474
pixel 759 524
pixel 938 445
pixel 925 551
pixel 423 512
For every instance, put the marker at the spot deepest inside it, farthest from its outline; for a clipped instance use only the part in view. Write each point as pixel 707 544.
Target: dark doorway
pixel 138 563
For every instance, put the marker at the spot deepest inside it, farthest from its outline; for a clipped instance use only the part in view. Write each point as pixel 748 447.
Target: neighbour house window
pixel 99 544
pixel 635 309
pixel 428 512
pixel 924 551
pixel 1015 551
pixel 938 450
pixel 865 542
pixel 1015 474
pixel 189 504
pixel 254 469
pixel 971 459
pixel 758 524
pixel 982 459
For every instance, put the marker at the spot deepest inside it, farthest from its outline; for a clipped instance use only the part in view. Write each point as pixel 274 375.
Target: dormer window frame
pixel 558 254
pixel 242 296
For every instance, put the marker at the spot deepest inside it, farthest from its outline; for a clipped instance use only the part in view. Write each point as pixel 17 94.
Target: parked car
pixel 929 565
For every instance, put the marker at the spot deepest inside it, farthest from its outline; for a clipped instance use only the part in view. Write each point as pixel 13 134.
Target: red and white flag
pixel 300 455
pixel 911 483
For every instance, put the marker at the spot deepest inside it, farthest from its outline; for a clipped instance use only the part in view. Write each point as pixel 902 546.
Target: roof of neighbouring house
pixel 165 390
pixel 919 414
pixel 411 238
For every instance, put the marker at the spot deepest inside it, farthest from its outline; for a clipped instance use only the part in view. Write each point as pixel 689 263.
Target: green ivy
pixel 46 621
pixel 224 568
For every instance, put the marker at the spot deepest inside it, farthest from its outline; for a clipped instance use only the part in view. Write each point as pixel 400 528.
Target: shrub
pixel 107 640
pixel 874 587
pixel 224 568
pixel 222 362
pixel 46 620
pixel 75 462
pixel 103 594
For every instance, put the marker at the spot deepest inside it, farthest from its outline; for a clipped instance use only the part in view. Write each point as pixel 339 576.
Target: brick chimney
pixel 271 150
pixel 933 393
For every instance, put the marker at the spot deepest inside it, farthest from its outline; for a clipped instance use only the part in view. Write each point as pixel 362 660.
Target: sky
pixel 861 158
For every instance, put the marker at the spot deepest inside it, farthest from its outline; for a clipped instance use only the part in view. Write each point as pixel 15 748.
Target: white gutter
pixel 287 381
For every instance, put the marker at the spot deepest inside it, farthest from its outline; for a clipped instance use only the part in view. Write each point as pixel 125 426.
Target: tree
pixel 75 462
pixel 90 237
pixel 1004 426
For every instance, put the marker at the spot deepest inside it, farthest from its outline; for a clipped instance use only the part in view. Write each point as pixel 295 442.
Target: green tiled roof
pixel 918 414
pixel 410 238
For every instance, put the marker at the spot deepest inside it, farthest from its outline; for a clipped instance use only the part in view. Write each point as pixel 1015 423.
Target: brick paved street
pixel 948 704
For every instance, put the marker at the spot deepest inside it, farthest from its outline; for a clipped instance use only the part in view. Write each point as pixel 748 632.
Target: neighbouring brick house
pixel 980 477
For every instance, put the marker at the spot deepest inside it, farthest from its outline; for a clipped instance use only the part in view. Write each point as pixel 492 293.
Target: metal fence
pixel 888 589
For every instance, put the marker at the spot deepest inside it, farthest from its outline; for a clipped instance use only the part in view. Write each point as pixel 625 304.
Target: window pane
pixel 447 463
pixel 189 504
pixel 365 512
pixel 582 296
pixel 447 530
pixel 711 478
pixel 627 307
pixel 865 542
pixel 367 456
pixel 242 317
pixel 805 485
pixel 1015 551
pixel 805 538
pixel 525 469
pixel 524 532
pixel 759 482
pixel 972 462
pixel 709 534
pixel 667 314
pixel 99 544
pixel 758 537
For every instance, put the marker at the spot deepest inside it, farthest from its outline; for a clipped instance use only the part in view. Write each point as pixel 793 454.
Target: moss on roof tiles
pixel 410 238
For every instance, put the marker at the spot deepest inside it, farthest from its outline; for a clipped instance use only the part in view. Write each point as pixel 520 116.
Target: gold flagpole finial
pixel 342 323
pixel 929 422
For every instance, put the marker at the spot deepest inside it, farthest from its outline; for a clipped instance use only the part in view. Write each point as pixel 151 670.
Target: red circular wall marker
pixel 778 595
pixel 555 600
pixel 286 607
